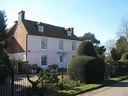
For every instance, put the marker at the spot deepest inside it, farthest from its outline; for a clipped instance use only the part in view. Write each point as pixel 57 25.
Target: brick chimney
pixel 21 15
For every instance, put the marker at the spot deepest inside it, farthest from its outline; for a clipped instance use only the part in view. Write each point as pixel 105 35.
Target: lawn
pixel 70 88
pixel 85 88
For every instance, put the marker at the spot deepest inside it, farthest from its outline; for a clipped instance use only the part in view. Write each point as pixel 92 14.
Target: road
pixel 117 89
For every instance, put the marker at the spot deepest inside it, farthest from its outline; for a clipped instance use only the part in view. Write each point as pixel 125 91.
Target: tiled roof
pixel 11 30
pixel 49 30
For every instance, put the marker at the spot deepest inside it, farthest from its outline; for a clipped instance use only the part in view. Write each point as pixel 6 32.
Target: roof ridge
pixel 44 23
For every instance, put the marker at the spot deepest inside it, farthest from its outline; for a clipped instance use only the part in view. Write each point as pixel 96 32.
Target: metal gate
pixel 14 84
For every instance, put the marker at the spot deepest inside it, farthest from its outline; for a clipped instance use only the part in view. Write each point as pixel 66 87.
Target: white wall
pixel 18 56
pixel 35 52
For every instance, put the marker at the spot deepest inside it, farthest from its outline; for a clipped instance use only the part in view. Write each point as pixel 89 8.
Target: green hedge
pixel 86 69
pixel 86 48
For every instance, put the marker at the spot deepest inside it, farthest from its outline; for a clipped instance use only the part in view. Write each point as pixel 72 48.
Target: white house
pixel 40 43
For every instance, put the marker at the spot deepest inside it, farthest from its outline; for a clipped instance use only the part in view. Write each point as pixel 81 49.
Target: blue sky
pixel 101 17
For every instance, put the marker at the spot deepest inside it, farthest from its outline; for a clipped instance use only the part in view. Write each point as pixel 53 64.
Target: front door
pixel 61 60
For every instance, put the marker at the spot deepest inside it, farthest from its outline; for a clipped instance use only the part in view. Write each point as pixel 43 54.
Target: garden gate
pixel 14 84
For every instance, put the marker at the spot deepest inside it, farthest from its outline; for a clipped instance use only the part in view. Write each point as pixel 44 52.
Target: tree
pixel 90 37
pixel 121 47
pixel 4 61
pixel 100 50
pixel 109 45
pixel 123 29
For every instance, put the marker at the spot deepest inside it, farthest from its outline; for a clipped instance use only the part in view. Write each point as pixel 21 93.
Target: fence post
pixel 12 81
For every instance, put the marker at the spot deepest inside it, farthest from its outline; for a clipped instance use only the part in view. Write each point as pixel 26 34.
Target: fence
pixel 14 84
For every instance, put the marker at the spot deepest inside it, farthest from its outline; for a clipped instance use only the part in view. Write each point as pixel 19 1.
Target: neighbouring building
pixel 40 43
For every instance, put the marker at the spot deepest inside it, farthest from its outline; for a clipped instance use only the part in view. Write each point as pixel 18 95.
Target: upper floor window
pixel 44 44
pixel 40 28
pixel 44 60
pixel 60 44
pixel 73 45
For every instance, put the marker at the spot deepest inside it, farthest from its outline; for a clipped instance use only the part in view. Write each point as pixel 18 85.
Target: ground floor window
pixel 44 60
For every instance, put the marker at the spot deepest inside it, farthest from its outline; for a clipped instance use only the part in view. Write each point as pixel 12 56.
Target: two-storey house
pixel 40 43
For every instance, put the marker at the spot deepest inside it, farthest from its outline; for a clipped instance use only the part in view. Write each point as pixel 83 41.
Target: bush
pixel 123 65
pixel 124 58
pixel 86 48
pixel 86 69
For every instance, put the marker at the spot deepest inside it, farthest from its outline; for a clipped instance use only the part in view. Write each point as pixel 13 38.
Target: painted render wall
pixel 34 51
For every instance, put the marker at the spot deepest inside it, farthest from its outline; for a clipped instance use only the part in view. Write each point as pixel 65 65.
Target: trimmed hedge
pixel 86 48
pixel 123 65
pixel 86 69
pixel 124 58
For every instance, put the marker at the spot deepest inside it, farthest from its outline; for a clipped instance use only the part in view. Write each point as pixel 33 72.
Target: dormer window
pixel 69 33
pixel 40 28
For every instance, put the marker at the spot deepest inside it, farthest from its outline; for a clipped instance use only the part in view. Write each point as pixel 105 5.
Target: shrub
pixel 48 77
pixel 123 65
pixel 86 69
pixel 86 48
pixel 124 58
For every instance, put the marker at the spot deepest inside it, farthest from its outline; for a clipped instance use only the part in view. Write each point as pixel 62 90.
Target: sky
pixel 100 17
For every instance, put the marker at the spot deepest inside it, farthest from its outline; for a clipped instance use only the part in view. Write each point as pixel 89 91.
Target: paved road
pixel 118 89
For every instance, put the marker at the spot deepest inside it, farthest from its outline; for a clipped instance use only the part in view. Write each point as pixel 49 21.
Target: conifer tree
pixel 4 60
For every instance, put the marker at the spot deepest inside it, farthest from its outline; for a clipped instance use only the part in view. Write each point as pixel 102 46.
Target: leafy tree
pixel 90 37
pixel 114 54
pixel 100 50
pixel 4 61
pixel 122 45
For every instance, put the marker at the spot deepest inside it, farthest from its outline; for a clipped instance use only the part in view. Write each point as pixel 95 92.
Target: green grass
pixel 71 91
pixel 84 88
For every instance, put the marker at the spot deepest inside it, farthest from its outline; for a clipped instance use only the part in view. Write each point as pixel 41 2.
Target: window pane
pixel 60 58
pixel 44 60
pixel 44 44
pixel 60 44
pixel 73 45
pixel 40 28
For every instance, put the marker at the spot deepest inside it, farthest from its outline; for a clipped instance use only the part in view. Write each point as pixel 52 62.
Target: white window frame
pixel 40 28
pixel 44 59
pixel 73 45
pixel 44 44
pixel 60 45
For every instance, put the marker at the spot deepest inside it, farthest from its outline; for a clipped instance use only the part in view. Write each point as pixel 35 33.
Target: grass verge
pixel 88 87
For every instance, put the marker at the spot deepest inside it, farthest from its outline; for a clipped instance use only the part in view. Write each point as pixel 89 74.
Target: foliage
pixel 78 89
pixel 100 50
pixel 53 67
pixel 4 59
pixel 114 54
pixel 48 77
pixel 86 69
pixel 86 48
pixel 121 47
pixel 109 60
pixel 90 37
